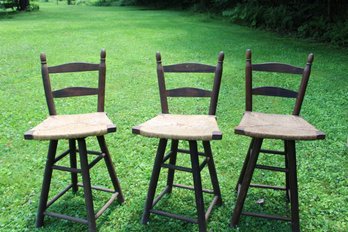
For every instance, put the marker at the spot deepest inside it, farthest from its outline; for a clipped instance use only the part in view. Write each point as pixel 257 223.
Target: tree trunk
pixel 23 5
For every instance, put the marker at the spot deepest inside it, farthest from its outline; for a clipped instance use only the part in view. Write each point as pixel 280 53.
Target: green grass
pixel 131 36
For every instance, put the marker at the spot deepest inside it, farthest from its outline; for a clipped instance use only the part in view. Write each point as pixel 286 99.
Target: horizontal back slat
pixel 74 92
pixel 189 67
pixel 73 67
pixel 188 92
pixel 277 67
pixel 274 91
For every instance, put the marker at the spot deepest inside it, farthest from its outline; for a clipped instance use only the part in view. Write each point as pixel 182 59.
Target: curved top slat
pixel 189 67
pixel 73 67
pixel 277 67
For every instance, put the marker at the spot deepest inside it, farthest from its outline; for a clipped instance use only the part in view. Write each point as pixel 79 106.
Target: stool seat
pixel 277 126
pixel 180 127
pixel 72 126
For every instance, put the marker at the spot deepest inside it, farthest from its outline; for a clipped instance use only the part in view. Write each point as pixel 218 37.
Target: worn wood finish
pixel 75 127
pixel 274 91
pixel 277 67
pixel 73 67
pixel 74 92
pixel 189 67
pixel 73 163
pixel 87 185
pixel 184 127
pixel 246 181
pixel 273 126
pixel 46 182
pixel 154 179
pixel 197 182
pixel 188 92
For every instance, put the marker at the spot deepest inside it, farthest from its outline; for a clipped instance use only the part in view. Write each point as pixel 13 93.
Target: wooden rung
pixel 210 208
pixel 268 216
pixel 61 156
pixel 180 168
pixel 192 188
pixel 205 161
pixel 66 169
pixel 167 156
pixel 188 152
pixel 175 216
pixel 96 160
pixel 271 168
pixel 272 152
pixel 98 188
pixel 66 217
pixel 107 204
pixel 267 187
pixel 91 152
pixel 56 197
pixel 159 197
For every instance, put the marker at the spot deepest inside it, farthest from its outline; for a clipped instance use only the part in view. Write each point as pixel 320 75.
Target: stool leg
pixel 291 153
pixel 286 173
pixel 154 179
pixel 197 182
pixel 52 149
pixel 172 161
pixel 111 169
pixel 87 185
pixel 212 171
pixel 245 164
pixel 72 148
pixel 246 181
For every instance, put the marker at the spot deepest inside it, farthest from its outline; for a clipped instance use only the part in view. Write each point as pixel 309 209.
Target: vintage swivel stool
pixel 260 126
pixel 191 128
pixel 75 127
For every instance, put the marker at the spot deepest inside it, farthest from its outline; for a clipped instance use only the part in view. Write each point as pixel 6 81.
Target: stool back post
pixel 217 82
pixel 304 82
pixel 101 82
pixel 161 84
pixel 186 91
pixel 248 82
pixel 47 85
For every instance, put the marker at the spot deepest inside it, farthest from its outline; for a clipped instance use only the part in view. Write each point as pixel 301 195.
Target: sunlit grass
pixel 131 37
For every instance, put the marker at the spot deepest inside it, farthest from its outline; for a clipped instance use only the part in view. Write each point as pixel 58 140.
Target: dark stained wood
pixel 189 67
pixel 277 67
pixel 188 92
pixel 74 92
pixel 303 86
pixel 47 85
pixel 248 82
pixel 101 82
pixel 217 82
pixel 73 67
pixel 274 91
pixel 161 84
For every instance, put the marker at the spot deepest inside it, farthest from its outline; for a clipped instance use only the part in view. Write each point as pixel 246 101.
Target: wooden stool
pixel 191 128
pixel 75 127
pixel 260 126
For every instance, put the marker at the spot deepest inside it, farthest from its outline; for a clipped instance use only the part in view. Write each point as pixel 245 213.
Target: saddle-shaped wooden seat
pixel 181 127
pixel 72 126
pixel 277 126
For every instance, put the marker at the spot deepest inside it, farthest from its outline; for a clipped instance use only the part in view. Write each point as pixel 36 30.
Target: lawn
pixel 131 36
